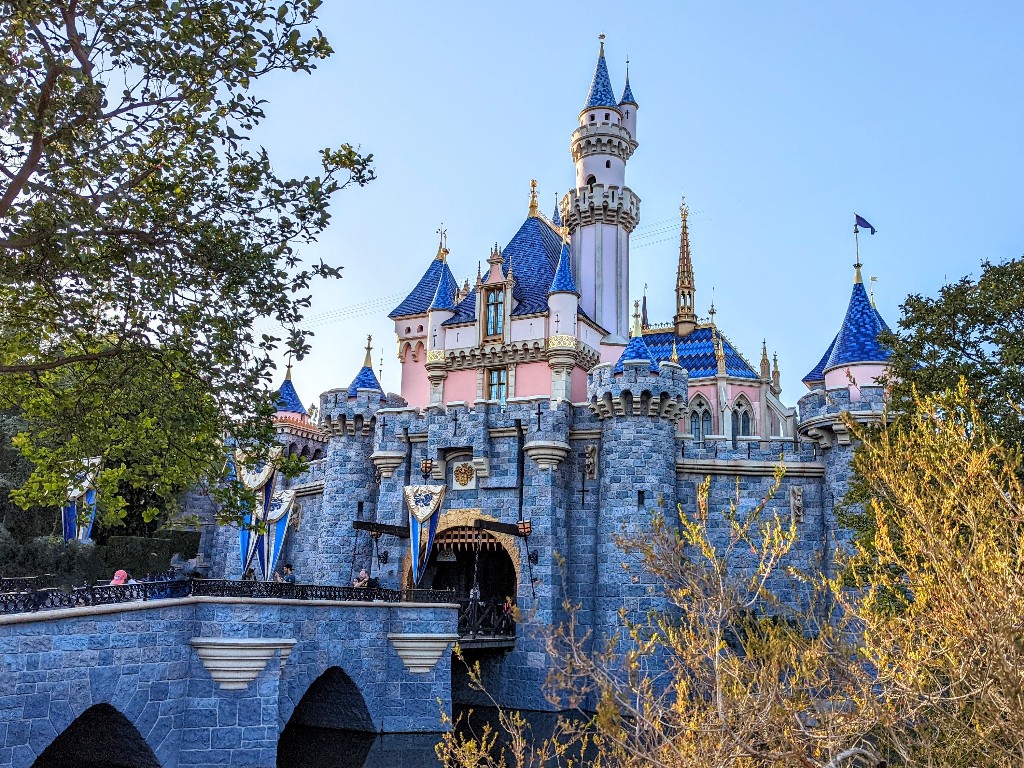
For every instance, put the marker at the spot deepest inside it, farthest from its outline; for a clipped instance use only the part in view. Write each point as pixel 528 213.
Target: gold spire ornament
pixel 533 198
pixel 686 318
pixel 367 362
pixel 637 330
pixel 442 243
pixel 766 368
pixel 288 368
pixel 674 358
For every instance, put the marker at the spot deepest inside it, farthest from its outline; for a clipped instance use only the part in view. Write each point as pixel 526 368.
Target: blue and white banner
pixel 424 502
pixel 79 513
pixel 261 536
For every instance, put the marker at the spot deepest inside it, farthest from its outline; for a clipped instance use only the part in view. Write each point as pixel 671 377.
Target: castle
pixel 540 396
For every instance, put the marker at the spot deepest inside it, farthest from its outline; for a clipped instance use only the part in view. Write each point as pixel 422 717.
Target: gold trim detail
pixel 435 356
pixel 562 341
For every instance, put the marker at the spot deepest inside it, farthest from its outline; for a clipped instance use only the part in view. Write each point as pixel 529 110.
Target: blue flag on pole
pixel 860 221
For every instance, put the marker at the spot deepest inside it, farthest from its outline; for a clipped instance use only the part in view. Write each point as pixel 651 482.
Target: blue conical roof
pixel 444 297
pixel 556 217
pixel 857 340
pixel 287 398
pixel 365 379
pixel 627 94
pixel 563 282
pixel 601 93
pixel 817 373
pixel 420 298
pixel 636 350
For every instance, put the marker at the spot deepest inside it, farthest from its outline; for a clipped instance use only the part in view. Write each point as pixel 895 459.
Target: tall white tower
pixel 602 211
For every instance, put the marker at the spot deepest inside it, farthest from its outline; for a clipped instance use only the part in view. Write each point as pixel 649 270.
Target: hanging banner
pixel 256 545
pixel 278 514
pixel 423 502
pixel 79 513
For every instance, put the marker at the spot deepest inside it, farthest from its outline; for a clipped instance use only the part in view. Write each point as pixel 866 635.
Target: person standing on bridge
pixel 289 574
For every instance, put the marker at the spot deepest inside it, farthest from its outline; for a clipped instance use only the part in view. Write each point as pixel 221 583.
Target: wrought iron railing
pixel 26 598
pixel 485 618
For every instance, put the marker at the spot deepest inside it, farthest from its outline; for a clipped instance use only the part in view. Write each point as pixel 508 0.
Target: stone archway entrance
pixel 458 547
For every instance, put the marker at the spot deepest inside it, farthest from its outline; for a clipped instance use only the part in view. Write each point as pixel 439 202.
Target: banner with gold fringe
pixel 424 502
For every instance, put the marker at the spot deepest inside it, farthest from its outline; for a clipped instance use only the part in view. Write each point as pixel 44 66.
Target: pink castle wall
pixel 415 385
pixel 533 379
pixel 578 385
pixel 460 385
pixel 863 375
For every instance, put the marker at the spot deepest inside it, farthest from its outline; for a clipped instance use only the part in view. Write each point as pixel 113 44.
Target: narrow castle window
pixel 496 384
pixel 627 114
pixel 607 116
pixel 495 312
pixel 607 163
pixel 593 117
pixel 591 180
pixel 700 424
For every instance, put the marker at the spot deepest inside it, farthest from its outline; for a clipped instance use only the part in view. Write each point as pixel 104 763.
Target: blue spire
pixel 287 398
pixel 601 93
pixel 637 348
pixel 627 93
pixel 444 297
pixel 563 282
pixel 366 379
pixel 857 340
pixel 556 217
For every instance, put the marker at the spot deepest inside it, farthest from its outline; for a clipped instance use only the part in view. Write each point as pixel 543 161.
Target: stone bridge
pixel 131 683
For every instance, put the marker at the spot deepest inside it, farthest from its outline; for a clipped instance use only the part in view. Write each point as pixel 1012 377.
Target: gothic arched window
pixel 495 312
pixel 742 419
pixel 591 180
pixel 700 420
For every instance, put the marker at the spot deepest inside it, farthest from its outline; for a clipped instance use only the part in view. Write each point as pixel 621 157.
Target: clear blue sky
pixel 776 120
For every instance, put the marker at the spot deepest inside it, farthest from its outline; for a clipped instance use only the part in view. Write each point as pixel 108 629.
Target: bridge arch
pixel 333 701
pixel 101 735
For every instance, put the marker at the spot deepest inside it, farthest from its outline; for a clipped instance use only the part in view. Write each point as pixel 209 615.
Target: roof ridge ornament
pixel 533 198
pixel 367 362
pixel 442 243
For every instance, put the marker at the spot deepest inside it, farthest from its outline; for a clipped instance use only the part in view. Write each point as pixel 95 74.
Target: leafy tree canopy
pixel 973 330
pixel 143 237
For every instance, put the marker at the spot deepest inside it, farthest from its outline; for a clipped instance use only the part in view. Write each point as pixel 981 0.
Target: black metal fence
pixel 485 618
pixel 22 596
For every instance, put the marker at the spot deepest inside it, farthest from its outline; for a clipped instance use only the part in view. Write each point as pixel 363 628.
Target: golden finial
pixel 637 330
pixel 442 243
pixel 873 280
pixel 367 362
pixel 601 38
pixel 684 209
pixel 533 198
pixel 675 353
pixel 288 368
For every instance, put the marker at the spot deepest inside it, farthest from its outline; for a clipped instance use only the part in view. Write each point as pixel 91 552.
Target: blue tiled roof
pixel 533 252
pixel 365 379
pixel 444 297
pixel 465 312
pixel 637 349
pixel 627 95
pixel 288 398
pixel 556 217
pixel 818 372
pixel 696 353
pixel 419 300
pixel 563 282
pixel 601 93
pixel 857 340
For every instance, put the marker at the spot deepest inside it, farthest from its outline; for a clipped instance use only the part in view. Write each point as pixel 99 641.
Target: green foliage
pixel 142 238
pixel 973 330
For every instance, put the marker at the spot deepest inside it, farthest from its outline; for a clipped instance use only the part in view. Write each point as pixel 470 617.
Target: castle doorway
pixel 463 558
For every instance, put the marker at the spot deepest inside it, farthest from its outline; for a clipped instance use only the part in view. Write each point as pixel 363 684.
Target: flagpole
pixel 856 246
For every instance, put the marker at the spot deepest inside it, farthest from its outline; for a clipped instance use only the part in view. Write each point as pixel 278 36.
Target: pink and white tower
pixel 602 211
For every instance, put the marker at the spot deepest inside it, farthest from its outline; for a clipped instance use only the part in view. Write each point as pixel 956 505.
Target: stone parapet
pixel 618 206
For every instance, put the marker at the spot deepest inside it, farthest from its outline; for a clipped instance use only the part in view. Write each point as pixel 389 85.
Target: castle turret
pixel 639 403
pixel 441 308
pixel 602 211
pixel 563 304
pixel 686 317
pixel 349 417
pixel 628 106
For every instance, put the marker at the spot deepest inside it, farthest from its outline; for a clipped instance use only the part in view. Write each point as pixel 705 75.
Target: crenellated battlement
pixel 341 415
pixel 598 204
pixel 822 412
pixel 638 391
pixel 603 138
